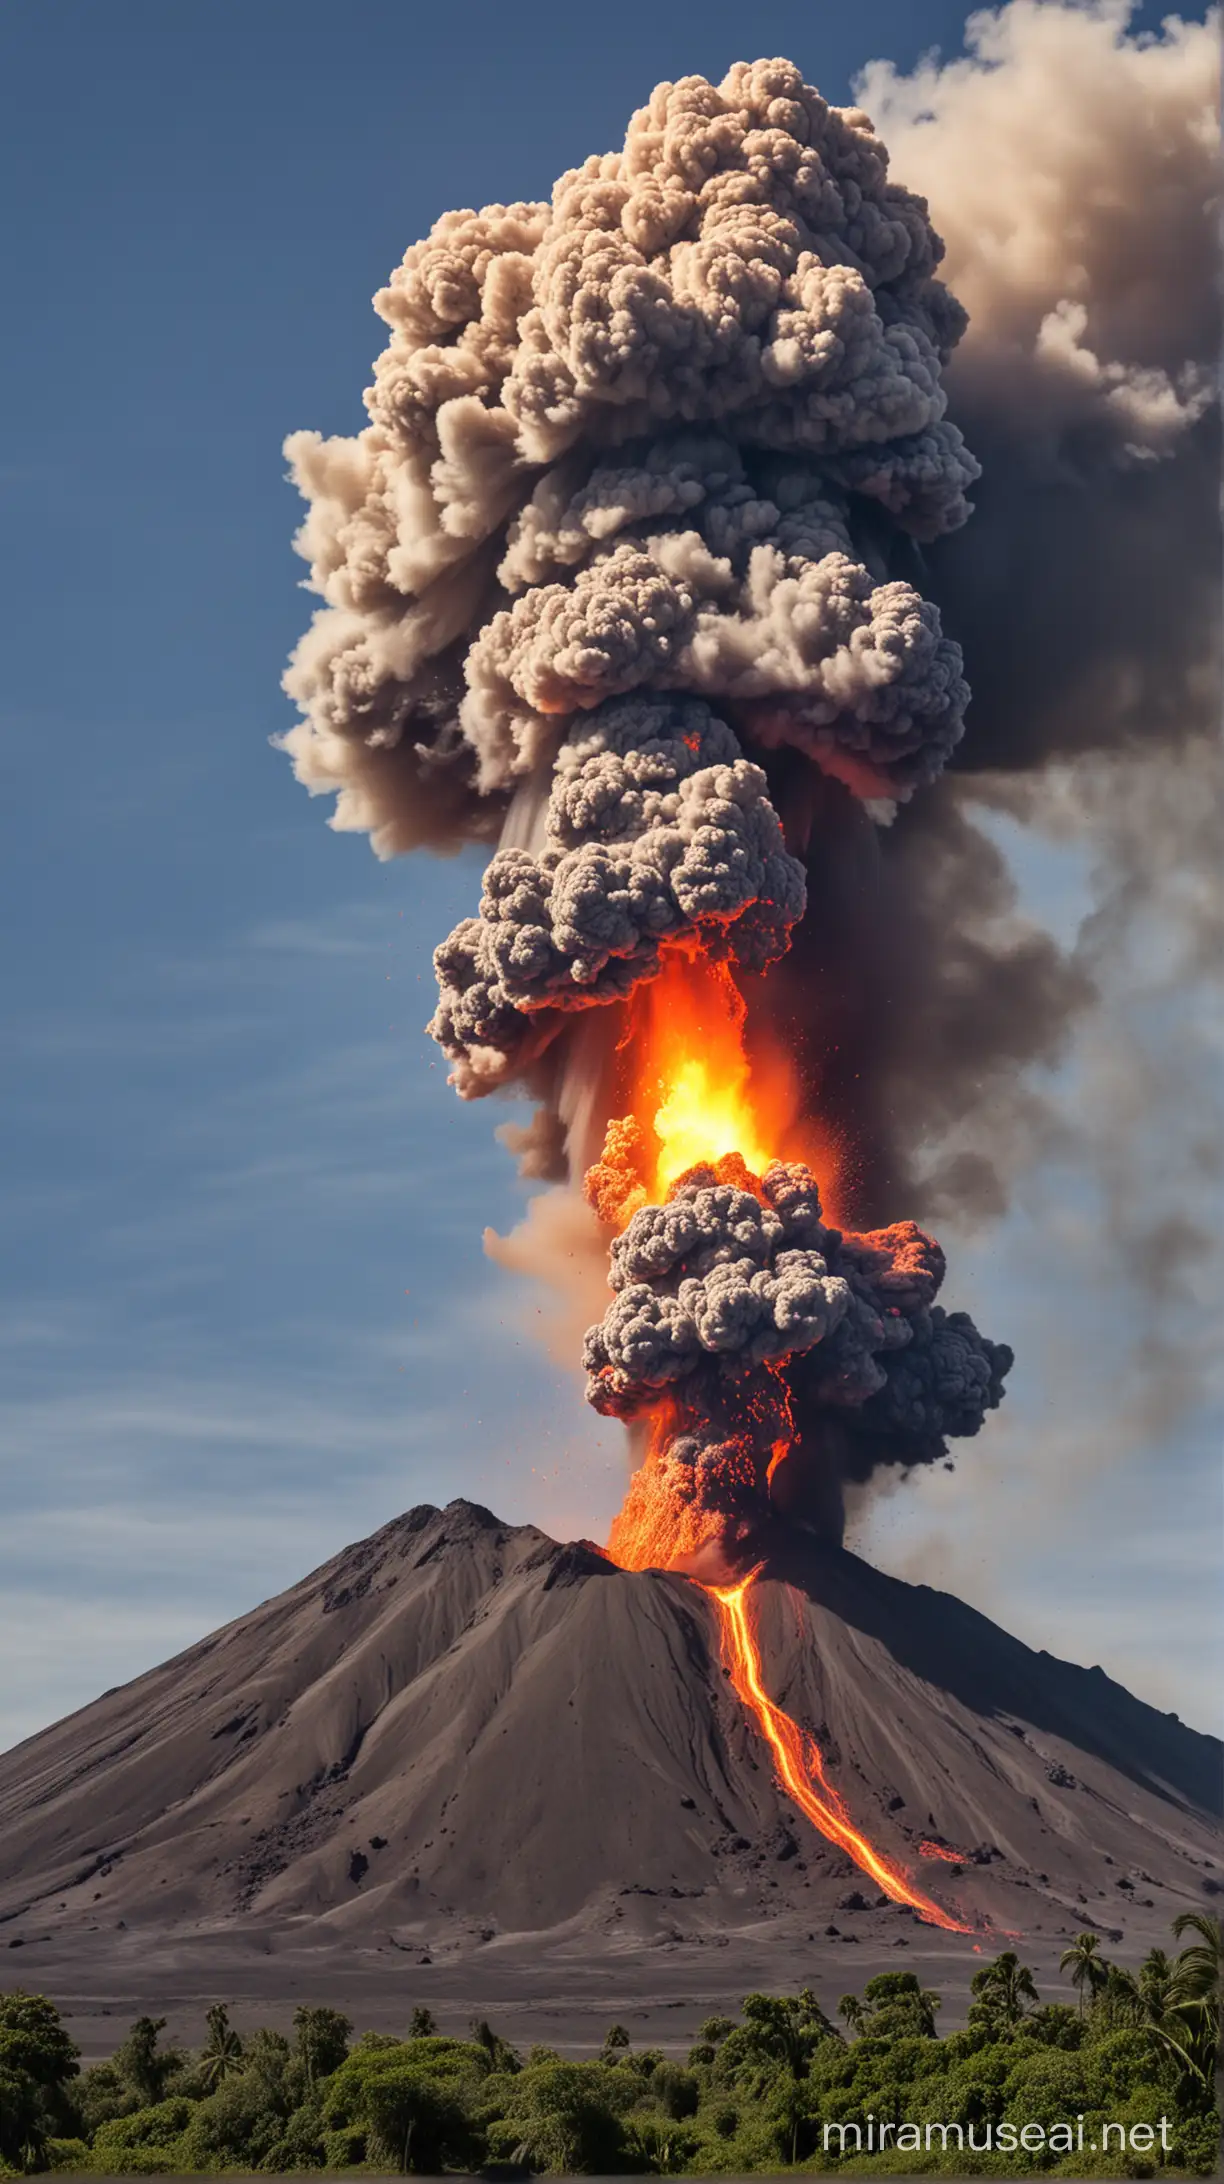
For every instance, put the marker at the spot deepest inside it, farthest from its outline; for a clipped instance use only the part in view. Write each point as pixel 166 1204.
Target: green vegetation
pixel 758 2092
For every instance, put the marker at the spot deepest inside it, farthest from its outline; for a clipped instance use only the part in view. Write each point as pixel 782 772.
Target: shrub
pixel 144 2142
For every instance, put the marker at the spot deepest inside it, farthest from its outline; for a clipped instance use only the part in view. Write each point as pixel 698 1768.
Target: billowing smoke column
pixel 625 557
pixel 783 1357
pixel 664 433
pixel 656 826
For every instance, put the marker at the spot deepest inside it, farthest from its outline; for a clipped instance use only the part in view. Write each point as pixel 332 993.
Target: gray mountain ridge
pixel 462 1743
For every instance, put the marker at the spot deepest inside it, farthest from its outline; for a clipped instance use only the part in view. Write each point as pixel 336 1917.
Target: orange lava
pixel 693 1080
pixel 940 1850
pixel 700 1094
pixel 696 1093
pixel 799 1764
pixel 660 1526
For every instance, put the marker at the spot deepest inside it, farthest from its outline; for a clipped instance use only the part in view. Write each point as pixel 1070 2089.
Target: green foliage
pixel 322 2042
pixel 779 2034
pixel 410 2102
pixel 501 2056
pixel 677 2091
pixel 38 2062
pixel 1003 1991
pixel 344 2148
pixel 657 2146
pixel 145 2068
pixel 1055 2025
pixel 66 2153
pixel 566 2119
pixel 302 2143
pixel 221 2054
pixel 896 2006
pixel 101 2096
pixel 415 2122
pixel 238 2125
pixel 144 2142
pixel 756 2094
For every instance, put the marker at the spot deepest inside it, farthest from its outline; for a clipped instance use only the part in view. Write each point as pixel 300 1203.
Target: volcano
pixel 460 1737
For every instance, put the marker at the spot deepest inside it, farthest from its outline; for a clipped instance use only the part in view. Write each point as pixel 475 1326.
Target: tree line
pixel 756 2092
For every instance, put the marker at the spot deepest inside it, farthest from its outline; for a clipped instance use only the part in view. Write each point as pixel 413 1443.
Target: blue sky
pixel 244 1311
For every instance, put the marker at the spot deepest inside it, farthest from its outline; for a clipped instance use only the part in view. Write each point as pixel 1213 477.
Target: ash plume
pixel 1074 173
pixel 649 569
pixel 690 565
pixel 569 487
pixel 770 1338
pixel 656 827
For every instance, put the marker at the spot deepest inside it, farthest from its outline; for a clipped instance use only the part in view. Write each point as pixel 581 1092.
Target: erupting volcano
pixel 646 467
pixel 626 576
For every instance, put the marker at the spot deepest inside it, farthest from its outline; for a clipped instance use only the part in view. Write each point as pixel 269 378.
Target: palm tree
pixel 1174 2004
pixel 222 2051
pixel 815 2023
pixel 1119 2000
pixel 1005 1987
pixel 852 2013
pixel 1193 2016
pixel 1155 1979
pixel 1085 1966
pixel 1196 1973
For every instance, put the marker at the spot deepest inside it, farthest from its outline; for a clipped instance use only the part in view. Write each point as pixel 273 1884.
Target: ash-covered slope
pixel 458 1729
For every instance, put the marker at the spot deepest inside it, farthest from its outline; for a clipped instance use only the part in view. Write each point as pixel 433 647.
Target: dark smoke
pixel 656 826
pixel 763 1328
pixel 1075 176
pixel 670 433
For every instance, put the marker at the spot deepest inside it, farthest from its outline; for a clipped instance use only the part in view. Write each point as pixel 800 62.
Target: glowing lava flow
pixel 797 1767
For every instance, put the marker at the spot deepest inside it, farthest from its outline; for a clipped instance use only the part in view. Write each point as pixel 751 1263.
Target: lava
pixel 927 1849
pixel 700 1099
pixel 698 1088
pixel 799 1762
pixel 692 1074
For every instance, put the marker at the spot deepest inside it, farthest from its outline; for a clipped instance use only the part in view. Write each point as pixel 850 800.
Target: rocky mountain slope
pixel 458 1732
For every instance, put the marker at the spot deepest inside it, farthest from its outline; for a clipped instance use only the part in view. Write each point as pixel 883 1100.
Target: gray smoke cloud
pixel 760 1328
pixel 569 487
pixel 656 826
pixel 691 566
pixel 1075 176
pixel 724 1279
pixel 745 279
